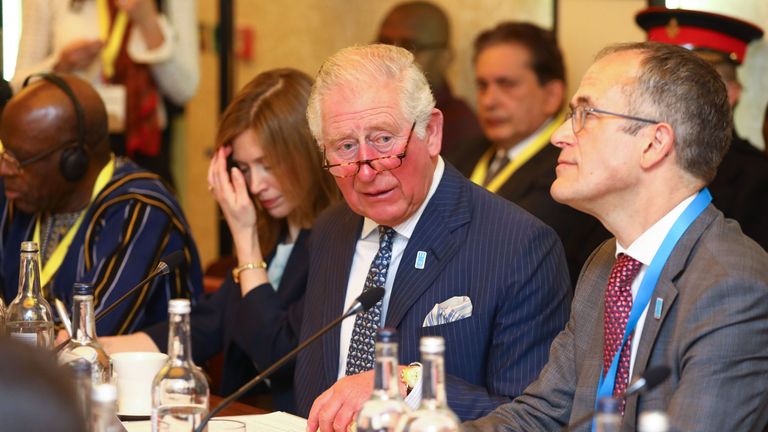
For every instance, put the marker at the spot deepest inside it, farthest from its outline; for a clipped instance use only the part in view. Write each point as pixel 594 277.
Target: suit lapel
pixel 435 234
pixel 344 243
pixel 666 292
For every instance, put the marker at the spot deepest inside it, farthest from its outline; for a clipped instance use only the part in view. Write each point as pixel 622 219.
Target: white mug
pixel 133 373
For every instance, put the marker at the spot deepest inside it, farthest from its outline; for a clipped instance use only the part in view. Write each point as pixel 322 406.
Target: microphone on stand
pixel 366 300
pixel 165 266
pixel 168 263
pixel 651 378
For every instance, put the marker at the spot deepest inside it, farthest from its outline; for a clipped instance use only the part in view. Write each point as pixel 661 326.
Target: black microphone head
pixel 370 297
pixel 655 376
pixel 170 261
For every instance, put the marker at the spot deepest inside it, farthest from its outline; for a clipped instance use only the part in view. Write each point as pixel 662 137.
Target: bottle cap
pixel 80 367
pixel 179 306
pixel 386 335
pixel 82 289
pixel 608 405
pixel 653 421
pixel 29 246
pixel 432 345
pixel 104 393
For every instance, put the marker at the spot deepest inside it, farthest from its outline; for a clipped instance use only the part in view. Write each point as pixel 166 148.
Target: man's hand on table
pixel 336 409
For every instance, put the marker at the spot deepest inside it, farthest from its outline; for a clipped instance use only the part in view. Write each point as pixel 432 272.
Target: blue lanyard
pixel 694 209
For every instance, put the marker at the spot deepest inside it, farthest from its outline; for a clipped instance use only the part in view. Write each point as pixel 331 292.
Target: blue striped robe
pixel 133 222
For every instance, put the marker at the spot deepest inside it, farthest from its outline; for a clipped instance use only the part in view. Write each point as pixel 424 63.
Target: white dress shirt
pixel 643 249
pixel 365 250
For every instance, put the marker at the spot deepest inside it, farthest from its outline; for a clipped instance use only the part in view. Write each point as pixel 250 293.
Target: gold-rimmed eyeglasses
pixel 379 164
pixel 579 114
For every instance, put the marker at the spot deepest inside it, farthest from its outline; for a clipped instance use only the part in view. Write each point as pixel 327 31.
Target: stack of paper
pixel 272 422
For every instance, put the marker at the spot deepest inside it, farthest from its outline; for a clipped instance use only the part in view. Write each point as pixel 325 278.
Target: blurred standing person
pixel 136 52
pixel 424 29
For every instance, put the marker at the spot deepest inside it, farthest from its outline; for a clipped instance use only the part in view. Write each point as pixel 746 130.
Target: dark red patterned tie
pixel 618 303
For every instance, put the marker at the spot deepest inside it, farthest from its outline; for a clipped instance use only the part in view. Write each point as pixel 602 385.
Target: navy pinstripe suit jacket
pixel 478 245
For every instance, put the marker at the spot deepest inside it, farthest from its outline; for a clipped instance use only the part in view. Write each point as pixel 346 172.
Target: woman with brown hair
pixel 270 195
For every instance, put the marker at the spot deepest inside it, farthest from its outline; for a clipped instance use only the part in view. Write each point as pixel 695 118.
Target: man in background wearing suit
pixel 520 80
pixel 455 260
pixel 423 29
pixel 680 285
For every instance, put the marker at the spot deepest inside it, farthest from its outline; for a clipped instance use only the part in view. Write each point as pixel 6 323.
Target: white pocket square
pixel 453 309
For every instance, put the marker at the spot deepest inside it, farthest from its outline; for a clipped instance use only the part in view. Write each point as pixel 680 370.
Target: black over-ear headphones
pixel 74 159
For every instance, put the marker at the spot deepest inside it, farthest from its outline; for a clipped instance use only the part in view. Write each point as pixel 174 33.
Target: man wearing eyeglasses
pixel 679 286
pixel 454 260
pixel 423 29
pixel 520 80
pixel 98 219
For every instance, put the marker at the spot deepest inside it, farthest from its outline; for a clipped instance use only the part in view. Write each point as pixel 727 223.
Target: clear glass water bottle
pixel 608 416
pixel 383 410
pixel 29 318
pixel 81 375
pixel 433 414
pixel 103 409
pixel 83 343
pixel 653 421
pixel 180 390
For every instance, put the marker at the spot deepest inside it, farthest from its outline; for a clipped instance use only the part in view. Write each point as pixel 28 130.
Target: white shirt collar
pixel 518 148
pixel 406 228
pixel 644 248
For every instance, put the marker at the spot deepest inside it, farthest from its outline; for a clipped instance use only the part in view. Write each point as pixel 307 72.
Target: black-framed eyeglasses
pixel 14 166
pixel 379 164
pixel 578 117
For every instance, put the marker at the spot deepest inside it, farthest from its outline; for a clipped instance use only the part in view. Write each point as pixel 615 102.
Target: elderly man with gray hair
pixel 434 241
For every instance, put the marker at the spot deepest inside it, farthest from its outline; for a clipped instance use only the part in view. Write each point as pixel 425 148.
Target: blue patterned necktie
pixel 361 355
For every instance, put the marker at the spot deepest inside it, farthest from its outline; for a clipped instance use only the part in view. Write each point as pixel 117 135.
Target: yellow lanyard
pixel 112 39
pixel 54 262
pixel 539 142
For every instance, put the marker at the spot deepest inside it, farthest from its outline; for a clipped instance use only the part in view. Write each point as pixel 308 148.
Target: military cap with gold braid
pixel 699 30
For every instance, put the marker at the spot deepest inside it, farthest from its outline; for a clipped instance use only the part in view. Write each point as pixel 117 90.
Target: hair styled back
pixel 546 58
pixel 677 87
pixel 273 105
pixel 358 68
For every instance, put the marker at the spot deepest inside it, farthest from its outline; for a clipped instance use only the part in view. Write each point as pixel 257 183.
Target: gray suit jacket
pixel 712 333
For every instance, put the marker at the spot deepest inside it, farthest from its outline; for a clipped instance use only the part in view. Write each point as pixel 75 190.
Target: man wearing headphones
pixel 98 219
